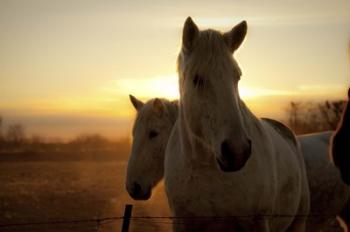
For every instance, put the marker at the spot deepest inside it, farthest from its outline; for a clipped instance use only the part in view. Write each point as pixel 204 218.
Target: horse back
pixel 282 129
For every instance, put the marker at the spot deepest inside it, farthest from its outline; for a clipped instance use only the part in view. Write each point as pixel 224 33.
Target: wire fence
pixel 154 222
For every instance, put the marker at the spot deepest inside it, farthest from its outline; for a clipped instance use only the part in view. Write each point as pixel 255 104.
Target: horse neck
pixel 250 121
pixel 198 146
pixel 192 145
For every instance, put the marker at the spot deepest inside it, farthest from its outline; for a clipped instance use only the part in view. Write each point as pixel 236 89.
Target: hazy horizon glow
pixel 68 67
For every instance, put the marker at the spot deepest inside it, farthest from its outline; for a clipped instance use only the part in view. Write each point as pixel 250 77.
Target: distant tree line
pixel 301 117
pixel 14 134
pixel 13 139
pixel 310 117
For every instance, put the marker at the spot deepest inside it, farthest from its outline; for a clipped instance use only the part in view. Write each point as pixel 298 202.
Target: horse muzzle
pixel 136 192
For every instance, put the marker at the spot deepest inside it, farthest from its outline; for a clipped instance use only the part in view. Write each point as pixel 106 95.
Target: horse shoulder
pixel 289 168
pixel 282 129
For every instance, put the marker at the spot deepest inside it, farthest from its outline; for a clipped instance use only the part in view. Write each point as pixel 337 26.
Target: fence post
pixel 126 218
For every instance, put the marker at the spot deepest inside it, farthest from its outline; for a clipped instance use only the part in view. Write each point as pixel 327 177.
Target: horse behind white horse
pixel 323 177
pixel 151 131
pixel 221 161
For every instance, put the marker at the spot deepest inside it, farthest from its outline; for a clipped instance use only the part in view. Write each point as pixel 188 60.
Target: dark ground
pixel 36 191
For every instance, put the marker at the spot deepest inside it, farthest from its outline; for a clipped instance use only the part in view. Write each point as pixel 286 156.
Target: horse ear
pixel 189 34
pixel 235 37
pixel 136 103
pixel 158 106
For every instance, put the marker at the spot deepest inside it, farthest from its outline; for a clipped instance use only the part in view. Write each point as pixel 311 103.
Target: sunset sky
pixel 67 67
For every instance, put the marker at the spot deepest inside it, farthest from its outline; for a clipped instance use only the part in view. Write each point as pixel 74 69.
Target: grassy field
pixel 34 191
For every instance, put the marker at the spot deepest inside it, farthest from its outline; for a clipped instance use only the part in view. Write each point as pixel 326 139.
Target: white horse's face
pixel 151 132
pixel 209 94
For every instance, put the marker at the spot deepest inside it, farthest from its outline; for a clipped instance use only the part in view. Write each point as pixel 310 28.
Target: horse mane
pixel 248 117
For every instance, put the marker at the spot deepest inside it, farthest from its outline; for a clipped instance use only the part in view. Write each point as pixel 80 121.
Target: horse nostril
pixel 136 189
pixel 228 149
pixel 249 148
pixel 225 148
pixel 234 154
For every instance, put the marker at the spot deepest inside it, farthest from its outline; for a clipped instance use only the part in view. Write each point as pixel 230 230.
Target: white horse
pixel 152 128
pixel 221 161
pixel 328 194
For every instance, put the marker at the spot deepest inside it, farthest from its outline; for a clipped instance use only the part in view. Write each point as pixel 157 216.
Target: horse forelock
pixel 210 54
pixel 146 116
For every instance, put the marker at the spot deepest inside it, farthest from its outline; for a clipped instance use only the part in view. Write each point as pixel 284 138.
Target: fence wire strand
pixel 149 221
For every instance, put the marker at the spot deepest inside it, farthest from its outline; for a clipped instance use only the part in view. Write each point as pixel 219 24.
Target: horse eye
pixel 152 134
pixel 198 81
